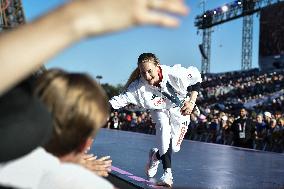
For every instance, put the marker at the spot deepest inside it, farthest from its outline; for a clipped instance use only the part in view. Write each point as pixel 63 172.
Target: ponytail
pixel 134 75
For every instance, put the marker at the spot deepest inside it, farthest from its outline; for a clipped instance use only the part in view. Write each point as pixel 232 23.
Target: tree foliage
pixel 112 90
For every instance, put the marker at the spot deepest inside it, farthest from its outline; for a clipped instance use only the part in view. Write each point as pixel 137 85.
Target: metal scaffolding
pixel 247 42
pixel 231 11
pixel 235 10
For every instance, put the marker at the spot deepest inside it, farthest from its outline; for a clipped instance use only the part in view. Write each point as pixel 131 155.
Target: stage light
pixel 225 8
pixel 237 3
pixel 214 12
pixel 204 15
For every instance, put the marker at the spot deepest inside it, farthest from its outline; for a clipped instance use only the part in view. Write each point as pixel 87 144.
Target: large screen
pixel 271 39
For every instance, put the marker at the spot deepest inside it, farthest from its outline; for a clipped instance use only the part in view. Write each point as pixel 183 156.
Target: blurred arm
pixel 38 41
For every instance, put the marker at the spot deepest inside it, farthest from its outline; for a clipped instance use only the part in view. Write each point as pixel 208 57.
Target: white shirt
pixel 39 169
pixel 26 172
pixel 145 96
pixel 72 176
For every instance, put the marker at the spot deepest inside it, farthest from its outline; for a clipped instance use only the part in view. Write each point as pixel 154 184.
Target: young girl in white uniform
pixel 170 93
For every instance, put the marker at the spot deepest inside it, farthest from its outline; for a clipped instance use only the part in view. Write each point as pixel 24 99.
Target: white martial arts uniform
pixel 164 102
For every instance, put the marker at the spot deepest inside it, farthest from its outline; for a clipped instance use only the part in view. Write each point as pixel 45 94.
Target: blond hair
pixel 79 107
pixel 143 58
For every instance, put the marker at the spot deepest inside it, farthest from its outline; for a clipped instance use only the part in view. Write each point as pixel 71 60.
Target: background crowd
pixel 221 101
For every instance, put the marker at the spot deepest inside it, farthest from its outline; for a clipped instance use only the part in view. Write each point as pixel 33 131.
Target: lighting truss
pixel 233 11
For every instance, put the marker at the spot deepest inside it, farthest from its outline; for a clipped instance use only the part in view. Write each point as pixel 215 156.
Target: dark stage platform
pixel 197 165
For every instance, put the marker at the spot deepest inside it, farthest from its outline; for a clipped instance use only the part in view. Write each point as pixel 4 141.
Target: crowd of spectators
pixel 222 97
pixel 131 121
pixel 252 88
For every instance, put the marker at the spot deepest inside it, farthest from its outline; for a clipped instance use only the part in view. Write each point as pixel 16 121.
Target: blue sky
pixel 115 56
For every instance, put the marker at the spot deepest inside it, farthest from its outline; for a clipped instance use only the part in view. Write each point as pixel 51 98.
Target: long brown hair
pixel 78 105
pixel 143 58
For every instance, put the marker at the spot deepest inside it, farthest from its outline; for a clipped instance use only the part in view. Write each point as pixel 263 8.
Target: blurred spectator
pixel 243 130
pixel 214 127
pixel 74 124
pixel 267 118
pixel 273 137
pixel 191 133
pixel 260 132
pixel 224 134
pixel 114 122
pixel 202 129
pixel 278 115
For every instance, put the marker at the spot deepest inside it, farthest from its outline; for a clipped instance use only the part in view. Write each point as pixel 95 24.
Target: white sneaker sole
pixel 147 167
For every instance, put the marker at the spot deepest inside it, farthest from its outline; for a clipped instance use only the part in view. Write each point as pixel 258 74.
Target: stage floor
pixel 197 165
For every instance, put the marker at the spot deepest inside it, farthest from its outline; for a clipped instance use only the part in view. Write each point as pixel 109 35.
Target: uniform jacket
pixel 171 93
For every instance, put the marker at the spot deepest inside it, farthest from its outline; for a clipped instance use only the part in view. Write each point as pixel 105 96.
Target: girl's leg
pixel 179 126
pixel 166 158
pixel 167 177
pixel 163 137
pixel 163 130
